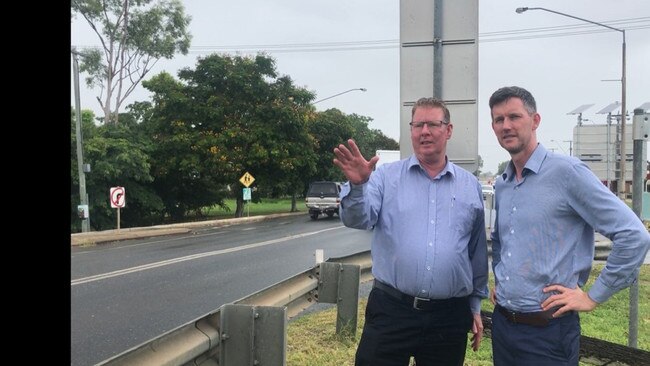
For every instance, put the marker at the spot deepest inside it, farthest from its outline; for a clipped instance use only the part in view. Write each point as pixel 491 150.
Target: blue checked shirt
pixel 544 232
pixel 429 235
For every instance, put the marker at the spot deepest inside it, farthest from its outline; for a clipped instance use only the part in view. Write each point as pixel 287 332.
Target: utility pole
pixel 85 222
pixel 640 132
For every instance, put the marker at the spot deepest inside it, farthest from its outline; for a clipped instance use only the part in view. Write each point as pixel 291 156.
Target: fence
pixel 252 331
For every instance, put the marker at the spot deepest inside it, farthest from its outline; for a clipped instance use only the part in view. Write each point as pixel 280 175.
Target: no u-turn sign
pixel 117 197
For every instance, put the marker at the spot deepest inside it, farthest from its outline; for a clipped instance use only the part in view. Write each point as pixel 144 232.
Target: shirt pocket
pixel 462 217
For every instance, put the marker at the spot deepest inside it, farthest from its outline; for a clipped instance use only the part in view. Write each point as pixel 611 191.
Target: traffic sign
pixel 247 194
pixel 247 179
pixel 117 197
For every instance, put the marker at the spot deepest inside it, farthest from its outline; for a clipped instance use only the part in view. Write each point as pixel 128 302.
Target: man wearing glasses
pixel 429 248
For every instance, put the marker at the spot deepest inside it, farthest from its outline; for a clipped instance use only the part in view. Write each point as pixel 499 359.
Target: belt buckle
pixel 415 302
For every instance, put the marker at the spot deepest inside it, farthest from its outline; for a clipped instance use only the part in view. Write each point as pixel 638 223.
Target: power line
pixel 629 24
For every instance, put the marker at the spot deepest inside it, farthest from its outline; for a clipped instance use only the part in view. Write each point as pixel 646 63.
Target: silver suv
pixel 323 198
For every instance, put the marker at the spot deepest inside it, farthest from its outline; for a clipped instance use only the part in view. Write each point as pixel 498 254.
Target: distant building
pixel 599 146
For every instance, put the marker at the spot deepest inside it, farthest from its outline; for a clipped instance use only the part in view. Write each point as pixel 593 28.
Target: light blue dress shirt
pixel 429 235
pixel 544 232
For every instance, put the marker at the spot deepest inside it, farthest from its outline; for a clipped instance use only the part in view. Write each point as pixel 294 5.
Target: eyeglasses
pixel 430 124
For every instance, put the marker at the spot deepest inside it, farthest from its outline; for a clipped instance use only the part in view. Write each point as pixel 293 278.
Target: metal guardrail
pixel 206 342
pixel 252 330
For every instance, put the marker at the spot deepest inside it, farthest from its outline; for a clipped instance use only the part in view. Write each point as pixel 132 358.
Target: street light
pixel 336 95
pixel 623 158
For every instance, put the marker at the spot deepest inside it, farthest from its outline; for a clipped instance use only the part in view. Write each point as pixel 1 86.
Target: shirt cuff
pixel 599 292
pixel 475 304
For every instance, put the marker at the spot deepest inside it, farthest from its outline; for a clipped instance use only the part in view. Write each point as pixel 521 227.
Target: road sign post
pixel 246 193
pixel 247 179
pixel 117 197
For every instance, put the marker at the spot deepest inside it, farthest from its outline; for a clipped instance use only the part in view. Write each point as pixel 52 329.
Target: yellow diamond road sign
pixel 247 179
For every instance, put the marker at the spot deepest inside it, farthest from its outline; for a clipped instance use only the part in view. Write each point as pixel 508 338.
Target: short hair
pixel 507 92
pixel 432 103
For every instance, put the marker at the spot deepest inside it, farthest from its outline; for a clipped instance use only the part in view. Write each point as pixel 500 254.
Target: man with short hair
pixel 429 248
pixel 547 207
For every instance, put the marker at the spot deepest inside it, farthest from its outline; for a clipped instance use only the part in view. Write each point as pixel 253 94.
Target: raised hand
pixel 353 165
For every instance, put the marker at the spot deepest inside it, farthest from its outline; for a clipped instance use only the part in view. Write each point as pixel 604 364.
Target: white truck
pixel 387 156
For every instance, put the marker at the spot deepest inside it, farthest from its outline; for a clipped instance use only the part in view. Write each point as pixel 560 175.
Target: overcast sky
pixel 332 46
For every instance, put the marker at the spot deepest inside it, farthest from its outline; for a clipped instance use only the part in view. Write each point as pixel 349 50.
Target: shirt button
pixel 514 209
pixel 508 301
pixel 507 278
pixel 432 221
pixel 422 291
pixel 428 268
pixel 512 231
pixel 433 201
pixel 430 244
pixel 509 254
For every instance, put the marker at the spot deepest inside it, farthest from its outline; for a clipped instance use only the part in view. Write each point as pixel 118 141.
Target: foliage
pixel 184 151
pixel 134 35
pixel 329 129
pixel 478 171
pixel 502 167
pixel 228 116
pixel 118 156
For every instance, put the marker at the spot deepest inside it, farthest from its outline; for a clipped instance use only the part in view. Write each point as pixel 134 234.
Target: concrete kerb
pixel 97 237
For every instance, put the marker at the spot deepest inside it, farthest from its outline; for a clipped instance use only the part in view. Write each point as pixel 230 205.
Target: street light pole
pixel 623 158
pixel 85 222
pixel 336 95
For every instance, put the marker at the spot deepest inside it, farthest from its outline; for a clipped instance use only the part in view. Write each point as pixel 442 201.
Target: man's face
pixel 430 143
pixel 514 127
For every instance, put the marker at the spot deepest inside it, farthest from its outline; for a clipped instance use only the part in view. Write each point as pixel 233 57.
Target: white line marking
pixel 145 267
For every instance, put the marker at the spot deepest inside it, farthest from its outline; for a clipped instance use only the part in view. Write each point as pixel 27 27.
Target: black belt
pixel 418 303
pixel 537 318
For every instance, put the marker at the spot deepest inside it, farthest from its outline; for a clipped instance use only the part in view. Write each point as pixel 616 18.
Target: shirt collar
pixel 449 166
pixel 533 164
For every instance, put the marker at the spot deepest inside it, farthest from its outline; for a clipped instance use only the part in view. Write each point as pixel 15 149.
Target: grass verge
pixel 311 339
pixel 266 207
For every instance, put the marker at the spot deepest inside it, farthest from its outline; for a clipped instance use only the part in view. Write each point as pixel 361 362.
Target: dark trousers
pixel 557 344
pixel 395 331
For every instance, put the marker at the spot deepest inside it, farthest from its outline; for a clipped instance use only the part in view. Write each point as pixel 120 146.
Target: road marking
pixel 154 241
pixel 145 267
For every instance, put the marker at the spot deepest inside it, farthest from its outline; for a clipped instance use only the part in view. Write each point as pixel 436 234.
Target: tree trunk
pixel 239 211
pixel 293 202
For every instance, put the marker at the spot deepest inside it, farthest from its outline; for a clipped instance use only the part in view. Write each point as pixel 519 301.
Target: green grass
pixel 311 339
pixel 266 207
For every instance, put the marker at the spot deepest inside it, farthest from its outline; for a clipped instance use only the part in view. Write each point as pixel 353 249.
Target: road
pixel 126 293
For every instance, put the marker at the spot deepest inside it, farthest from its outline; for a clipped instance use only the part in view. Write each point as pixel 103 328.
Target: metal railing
pixel 252 330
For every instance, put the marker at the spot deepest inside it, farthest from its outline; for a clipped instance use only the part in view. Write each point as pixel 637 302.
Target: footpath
pixel 99 237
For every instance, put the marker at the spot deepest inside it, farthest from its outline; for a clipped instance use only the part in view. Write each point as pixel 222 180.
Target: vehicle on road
pixel 487 190
pixel 323 198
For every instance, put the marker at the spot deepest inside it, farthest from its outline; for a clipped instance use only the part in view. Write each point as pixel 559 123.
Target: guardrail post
pixel 339 284
pixel 253 335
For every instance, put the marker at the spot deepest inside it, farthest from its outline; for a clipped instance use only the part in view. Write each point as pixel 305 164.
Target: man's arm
pixel 477 251
pixel 611 217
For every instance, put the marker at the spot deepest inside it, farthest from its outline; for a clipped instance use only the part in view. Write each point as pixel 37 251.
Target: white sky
pixel 562 72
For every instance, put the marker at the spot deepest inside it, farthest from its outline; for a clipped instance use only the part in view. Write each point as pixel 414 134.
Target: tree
pixel 329 129
pixel 134 35
pixel 119 156
pixel 478 171
pixel 502 167
pixel 227 116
